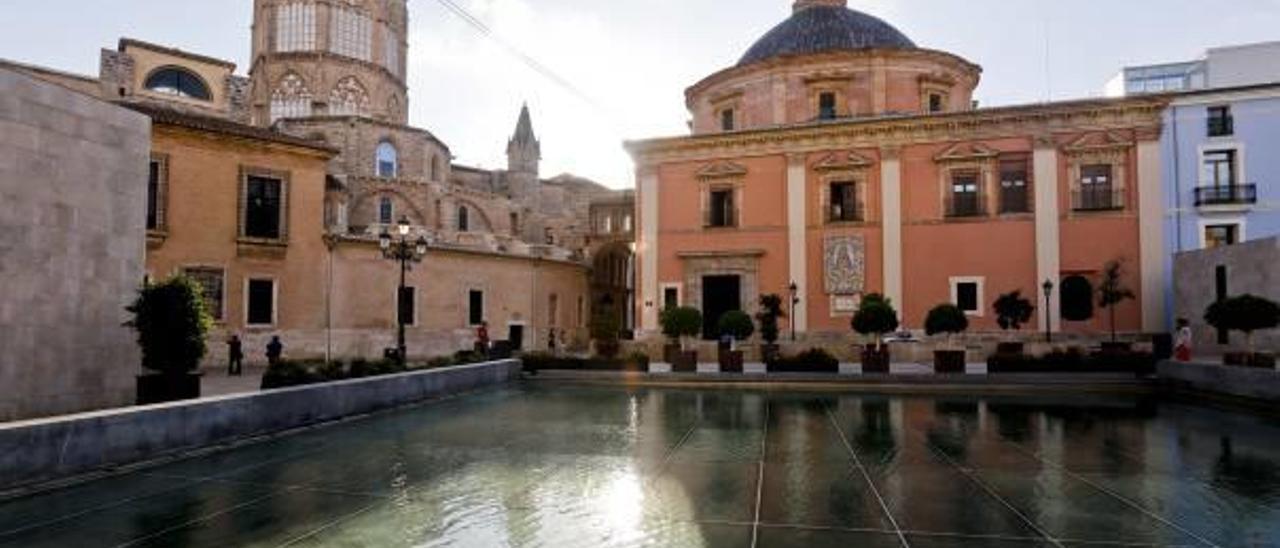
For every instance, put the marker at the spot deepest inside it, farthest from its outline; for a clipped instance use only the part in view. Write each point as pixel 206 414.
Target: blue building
pixel 1221 166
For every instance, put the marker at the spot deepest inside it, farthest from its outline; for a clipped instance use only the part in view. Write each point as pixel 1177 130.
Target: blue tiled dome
pixel 818 29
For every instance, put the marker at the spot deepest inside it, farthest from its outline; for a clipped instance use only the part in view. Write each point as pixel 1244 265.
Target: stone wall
pixel 73 174
pixel 1250 267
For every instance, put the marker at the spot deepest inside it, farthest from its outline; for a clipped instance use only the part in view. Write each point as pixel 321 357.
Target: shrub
pixel 361 368
pixel 172 323
pixel 875 316
pixel 681 322
pixel 736 324
pixel 1112 292
pixel 1013 311
pixel 1244 313
pixel 439 362
pixel 814 360
pixel 946 318
pixel 286 373
pixel 770 311
pixel 332 371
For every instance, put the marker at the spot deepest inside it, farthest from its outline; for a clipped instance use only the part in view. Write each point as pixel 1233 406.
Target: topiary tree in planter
pixel 1246 314
pixel 947 319
pixel 770 312
pixel 172 323
pixel 875 317
pixel 1012 312
pixel 604 330
pixel 1112 292
pixel 678 324
pixel 737 326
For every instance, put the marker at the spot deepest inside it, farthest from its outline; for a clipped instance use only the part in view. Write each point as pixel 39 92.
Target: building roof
pixel 161 114
pixel 822 28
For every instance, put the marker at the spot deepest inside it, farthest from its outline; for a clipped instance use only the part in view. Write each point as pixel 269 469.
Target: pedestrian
pixel 235 356
pixel 551 341
pixel 482 339
pixel 1182 344
pixel 274 350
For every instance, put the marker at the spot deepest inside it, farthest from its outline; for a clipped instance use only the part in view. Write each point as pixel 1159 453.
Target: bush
pixel 875 316
pixel 286 373
pixel 363 368
pixel 682 321
pixel 1112 292
pixel 815 360
pixel 1245 313
pixel 1013 311
pixel 439 362
pixel 736 324
pixel 770 311
pixel 172 323
pixel 946 318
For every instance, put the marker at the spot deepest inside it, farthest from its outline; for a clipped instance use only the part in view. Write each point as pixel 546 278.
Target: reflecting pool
pixel 555 466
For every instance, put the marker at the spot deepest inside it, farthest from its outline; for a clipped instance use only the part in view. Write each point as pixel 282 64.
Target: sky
pixel 627 62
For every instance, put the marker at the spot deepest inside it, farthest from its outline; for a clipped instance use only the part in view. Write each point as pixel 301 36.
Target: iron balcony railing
pixel 1097 199
pixel 1226 195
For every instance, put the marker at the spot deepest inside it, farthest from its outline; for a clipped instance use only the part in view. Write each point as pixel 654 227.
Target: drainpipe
pixel 1177 181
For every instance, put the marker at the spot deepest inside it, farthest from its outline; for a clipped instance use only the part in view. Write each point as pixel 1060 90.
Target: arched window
pixel 1077 299
pixel 348 98
pixel 464 219
pixel 386 162
pixel 178 81
pixel 291 98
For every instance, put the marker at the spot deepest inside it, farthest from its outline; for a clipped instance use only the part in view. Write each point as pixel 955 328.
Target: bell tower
pixel 523 154
pixel 329 58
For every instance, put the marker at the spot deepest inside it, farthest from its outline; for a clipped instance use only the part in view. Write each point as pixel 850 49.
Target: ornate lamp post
pixel 794 290
pixel 1048 317
pixel 405 251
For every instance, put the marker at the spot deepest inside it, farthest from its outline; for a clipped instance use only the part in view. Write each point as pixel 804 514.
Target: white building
pixel 1225 67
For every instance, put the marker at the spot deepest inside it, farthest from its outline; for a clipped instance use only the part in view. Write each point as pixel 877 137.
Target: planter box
pixel 731 361
pixel 1116 347
pixel 670 353
pixel 875 361
pixel 949 361
pixel 1010 348
pixel 685 362
pixel 769 353
pixel 163 388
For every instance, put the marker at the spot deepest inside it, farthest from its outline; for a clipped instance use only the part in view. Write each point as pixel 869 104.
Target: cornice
pixel 1142 114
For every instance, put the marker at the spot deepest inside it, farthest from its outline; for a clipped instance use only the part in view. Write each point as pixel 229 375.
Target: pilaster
pixel 891 222
pixel 797 245
pixel 1151 237
pixel 649 300
pixel 1048 242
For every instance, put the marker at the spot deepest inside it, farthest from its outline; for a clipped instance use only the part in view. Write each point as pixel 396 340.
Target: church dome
pixel 818 26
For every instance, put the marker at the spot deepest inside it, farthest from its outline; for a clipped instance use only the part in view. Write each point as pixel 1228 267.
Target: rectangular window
pixel 295 27
pixel 1221 235
pixel 826 106
pixel 406 307
pixel 210 282
pixel 263 207
pixel 726 120
pixel 722 209
pixel 844 202
pixel 1014 197
pixel 475 307
pixel 1096 190
pixel 1221 123
pixel 157 185
pixel 966 200
pixel 386 211
pixel 1219 168
pixel 350 33
pixel 261 308
pixel 670 298
pixel 935 102
pixel 966 294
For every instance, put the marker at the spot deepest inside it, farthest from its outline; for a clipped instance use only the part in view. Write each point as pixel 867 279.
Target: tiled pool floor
pixel 569 467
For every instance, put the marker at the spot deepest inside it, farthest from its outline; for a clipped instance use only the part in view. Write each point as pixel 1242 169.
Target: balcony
pixel 1097 199
pixel 1246 194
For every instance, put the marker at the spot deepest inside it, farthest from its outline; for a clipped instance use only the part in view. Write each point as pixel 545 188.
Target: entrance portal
pixel 720 294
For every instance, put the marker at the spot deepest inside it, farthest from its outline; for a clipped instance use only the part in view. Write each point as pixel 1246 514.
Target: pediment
pixel 721 170
pixel 961 152
pixel 1098 140
pixel 842 161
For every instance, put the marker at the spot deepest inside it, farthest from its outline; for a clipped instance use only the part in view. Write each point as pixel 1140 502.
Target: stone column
pixel 891 222
pixel 1048 244
pixel 1151 237
pixel 797 244
pixel 647 250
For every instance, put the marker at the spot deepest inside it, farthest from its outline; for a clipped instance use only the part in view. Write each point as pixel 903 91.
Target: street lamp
pixel 795 299
pixel 1048 317
pixel 405 251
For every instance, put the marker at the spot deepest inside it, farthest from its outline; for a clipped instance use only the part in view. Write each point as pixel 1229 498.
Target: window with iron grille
pixel 1096 189
pixel 844 202
pixel 263 207
pixel 966 200
pixel 1014 196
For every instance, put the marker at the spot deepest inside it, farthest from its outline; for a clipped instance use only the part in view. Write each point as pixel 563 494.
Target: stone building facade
pixel 1204 276
pixel 840 157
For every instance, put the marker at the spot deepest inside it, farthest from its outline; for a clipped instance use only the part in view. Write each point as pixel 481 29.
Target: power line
pixel 529 61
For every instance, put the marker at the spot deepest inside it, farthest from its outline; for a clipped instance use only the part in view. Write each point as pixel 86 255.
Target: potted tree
pixel 1012 312
pixel 947 319
pixel 875 317
pixel 171 322
pixel 735 326
pixel 604 330
pixel 678 324
pixel 1112 292
pixel 1246 314
pixel 770 311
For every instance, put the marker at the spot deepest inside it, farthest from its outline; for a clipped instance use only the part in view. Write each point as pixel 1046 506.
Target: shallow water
pixel 575 466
